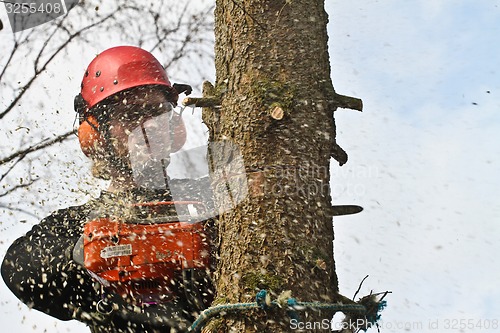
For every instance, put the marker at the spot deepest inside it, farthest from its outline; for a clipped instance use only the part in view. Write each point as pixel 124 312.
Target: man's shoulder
pixel 75 212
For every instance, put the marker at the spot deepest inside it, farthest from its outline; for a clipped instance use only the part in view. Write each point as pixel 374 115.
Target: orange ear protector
pixel 88 131
pixel 91 141
pixel 178 132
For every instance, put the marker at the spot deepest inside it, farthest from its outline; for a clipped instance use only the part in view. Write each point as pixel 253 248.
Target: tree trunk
pixel 277 104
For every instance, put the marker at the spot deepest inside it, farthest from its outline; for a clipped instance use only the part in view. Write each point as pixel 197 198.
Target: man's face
pixel 133 114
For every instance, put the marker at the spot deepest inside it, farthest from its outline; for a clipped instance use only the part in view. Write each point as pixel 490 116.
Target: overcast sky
pixel 423 161
pixel 424 158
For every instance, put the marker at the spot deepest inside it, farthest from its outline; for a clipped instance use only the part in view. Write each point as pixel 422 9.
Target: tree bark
pixel 277 104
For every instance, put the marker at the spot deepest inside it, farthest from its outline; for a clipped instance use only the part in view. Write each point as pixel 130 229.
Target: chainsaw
pixel 153 262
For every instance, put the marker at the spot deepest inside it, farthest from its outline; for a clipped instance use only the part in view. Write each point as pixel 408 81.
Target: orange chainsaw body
pixel 142 261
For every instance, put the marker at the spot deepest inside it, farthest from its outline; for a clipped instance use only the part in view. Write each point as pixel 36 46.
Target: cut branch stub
pixel 277 112
pixel 348 102
pixel 202 102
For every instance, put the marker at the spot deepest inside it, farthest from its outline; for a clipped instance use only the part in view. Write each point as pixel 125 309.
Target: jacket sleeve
pixel 38 267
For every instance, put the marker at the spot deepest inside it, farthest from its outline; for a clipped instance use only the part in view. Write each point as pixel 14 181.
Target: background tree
pixel 277 105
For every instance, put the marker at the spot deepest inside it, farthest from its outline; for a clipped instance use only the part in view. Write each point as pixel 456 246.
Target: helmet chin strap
pixel 164 165
pixel 112 156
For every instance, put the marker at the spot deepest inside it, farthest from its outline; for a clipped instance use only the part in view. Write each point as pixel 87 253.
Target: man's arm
pixel 38 267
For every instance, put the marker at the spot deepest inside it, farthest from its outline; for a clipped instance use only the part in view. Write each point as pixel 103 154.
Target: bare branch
pixel 11 56
pixel 17 209
pixel 17 187
pixel 39 146
pixel 51 58
pixel 6 173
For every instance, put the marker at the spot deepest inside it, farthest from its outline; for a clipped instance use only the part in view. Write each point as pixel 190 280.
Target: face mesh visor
pixel 149 147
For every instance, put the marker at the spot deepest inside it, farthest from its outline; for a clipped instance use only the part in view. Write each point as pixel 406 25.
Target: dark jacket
pixel 39 269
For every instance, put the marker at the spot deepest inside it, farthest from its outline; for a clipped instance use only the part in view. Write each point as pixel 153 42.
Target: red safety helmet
pixel 115 70
pixel 121 68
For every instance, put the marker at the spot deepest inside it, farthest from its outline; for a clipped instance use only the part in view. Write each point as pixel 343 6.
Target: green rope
pixel 260 303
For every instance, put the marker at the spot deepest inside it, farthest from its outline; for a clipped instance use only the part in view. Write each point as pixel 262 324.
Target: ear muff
pixel 178 132
pixel 91 141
